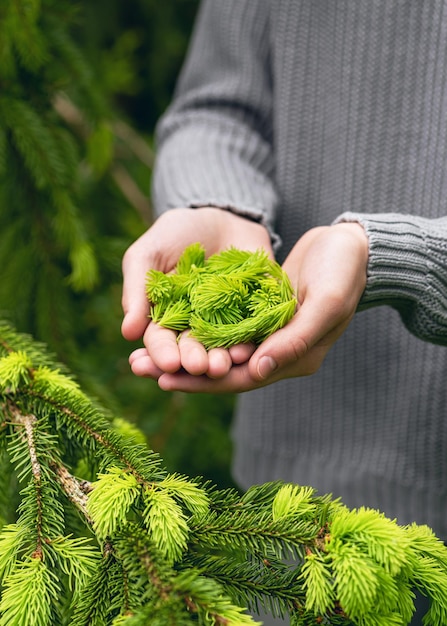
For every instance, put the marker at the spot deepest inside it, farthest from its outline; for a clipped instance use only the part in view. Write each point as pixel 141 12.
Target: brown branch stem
pixel 28 422
pixel 75 490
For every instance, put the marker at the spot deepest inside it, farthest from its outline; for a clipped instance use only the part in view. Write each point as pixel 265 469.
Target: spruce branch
pixel 12 541
pixel 74 412
pixel 35 143
pixel 76 490
pixel 266 584
pixel 29 422
pixel 131 141
pixel 29 594
pixel 165 548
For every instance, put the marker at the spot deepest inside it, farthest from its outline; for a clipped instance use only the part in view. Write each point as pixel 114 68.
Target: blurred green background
pixel 82 85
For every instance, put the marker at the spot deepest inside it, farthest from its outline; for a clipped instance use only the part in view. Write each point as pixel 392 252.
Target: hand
pixel 327 267
pixel 159 248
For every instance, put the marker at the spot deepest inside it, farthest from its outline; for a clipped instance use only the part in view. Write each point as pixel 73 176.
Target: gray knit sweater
pixel 299 113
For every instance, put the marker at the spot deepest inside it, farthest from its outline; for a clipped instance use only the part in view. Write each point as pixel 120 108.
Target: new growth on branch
pixel 96 532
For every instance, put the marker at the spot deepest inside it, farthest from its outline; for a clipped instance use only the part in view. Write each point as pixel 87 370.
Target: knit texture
pixel 298 113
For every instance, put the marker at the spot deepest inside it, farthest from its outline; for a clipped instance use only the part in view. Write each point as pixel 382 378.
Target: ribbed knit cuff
pixel 398 262
pixel 216 163
pixel 407 269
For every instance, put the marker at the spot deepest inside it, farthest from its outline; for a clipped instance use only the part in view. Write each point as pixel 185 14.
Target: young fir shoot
pixel 232 297
pixel 102 535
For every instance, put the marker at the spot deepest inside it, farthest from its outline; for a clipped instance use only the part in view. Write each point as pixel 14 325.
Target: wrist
pixel 232 227
pixel 359 236
pixel 237 218
pixel 356 244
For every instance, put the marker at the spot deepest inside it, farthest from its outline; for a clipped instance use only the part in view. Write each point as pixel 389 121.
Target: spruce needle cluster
pixel 94 531
pixel 232 297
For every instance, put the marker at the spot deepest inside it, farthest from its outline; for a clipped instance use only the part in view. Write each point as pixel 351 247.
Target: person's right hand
pixel 160 248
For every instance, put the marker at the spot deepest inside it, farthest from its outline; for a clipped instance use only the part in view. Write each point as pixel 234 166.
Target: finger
pixel 134 301
pixel 142 365
pixel 312 330
pixel 237 380
pixel 136 354
pixel 240 379
pixel 161 345
pixel 219 363
pixel 193 355
pixel 241 352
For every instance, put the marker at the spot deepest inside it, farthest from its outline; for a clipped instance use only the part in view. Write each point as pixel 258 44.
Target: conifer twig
pixel 174 550
pixel 124 181
pixel 76 490
pixel 100 437
pixel 132 192
pixel 28 422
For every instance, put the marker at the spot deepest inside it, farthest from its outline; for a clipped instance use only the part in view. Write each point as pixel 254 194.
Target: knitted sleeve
pixel 407 269
pixel 214 142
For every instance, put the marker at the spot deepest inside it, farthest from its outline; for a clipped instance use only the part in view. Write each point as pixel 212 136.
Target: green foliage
pixel 138 48
pixel 30 592
pixel 14 370
pixel 12 542
pixel 60 144
pixel 232 297
pixel 113 495
pixel 140 544
pixel 166 523
pixel 94 528
pixel 188 492
pixel 318 583
pixel 76 79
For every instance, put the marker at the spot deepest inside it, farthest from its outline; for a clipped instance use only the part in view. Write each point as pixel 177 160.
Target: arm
pixel 214 144
pixel 359 262
pixel 407 269
pixel 201 157
pixel 214 150
pixel 336 272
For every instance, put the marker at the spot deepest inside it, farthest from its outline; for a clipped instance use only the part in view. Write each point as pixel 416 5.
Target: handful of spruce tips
pixel 232 297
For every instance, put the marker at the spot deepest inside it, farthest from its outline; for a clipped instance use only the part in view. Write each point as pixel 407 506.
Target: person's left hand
pixel 327 268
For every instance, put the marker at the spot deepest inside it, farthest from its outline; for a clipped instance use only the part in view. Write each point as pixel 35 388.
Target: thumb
pixel 134 301
pixel 297 349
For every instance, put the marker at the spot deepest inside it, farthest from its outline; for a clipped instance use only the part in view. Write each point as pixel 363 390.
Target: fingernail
pixel 266 366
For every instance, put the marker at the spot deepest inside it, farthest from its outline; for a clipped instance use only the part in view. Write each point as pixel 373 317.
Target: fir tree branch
pixel 28 422
pixel 125 183
pixel 150 564
pixel 176 550
pixel 198 595
pixel 267 583
pixel 76 490
pixel 102 435
pixel 253 530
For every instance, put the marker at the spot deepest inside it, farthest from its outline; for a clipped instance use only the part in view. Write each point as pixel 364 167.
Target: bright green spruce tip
pixel 232 297
pixel 120 541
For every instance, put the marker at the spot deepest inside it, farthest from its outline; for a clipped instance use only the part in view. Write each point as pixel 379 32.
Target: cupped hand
pixel 160 248
pixel 327 267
